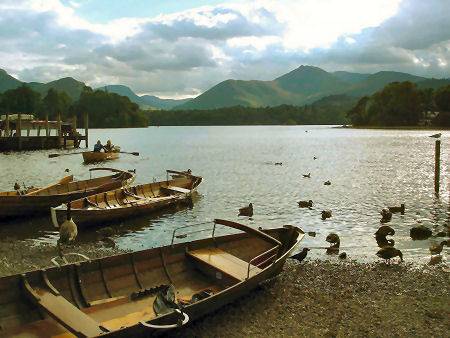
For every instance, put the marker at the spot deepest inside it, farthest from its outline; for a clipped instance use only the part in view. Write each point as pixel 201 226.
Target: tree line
pixel 330 110
pixel 403 104
pixel 106 110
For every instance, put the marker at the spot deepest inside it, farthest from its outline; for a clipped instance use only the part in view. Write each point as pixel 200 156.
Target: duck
pixel 335 242
pixel 384 230
pixel 278 163
pixel 420 232
pixel 343 255
pixel 315 158
pixel 400 209
pixel 387 253
pixel 246 211
pixel 301 255
pixel 16 186
pixel 435 260
pixel 312 233
pixel 386 215
pixel 327 183
pixel 436 248
pixel 68 231
pixel 334 239
pixel 383 242
pixel 326 214
pixel 307 175
pixel 305 204
pixel 67 170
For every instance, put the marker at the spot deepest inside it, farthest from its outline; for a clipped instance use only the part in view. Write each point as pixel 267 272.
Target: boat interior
pixel 68 185
pixel 139 194
pixel 101 296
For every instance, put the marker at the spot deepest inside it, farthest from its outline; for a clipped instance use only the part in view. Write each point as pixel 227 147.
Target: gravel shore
pixel 338 299
pixel 314 298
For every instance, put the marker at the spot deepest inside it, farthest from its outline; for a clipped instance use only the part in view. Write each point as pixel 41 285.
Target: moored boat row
pixel 136 294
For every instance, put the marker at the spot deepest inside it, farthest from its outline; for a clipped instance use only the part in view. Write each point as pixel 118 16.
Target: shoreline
pixel 337 299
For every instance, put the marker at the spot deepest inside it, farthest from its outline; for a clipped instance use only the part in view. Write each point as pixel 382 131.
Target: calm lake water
pixel 368 169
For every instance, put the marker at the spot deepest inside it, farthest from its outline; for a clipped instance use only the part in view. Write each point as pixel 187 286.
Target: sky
pixel 178 49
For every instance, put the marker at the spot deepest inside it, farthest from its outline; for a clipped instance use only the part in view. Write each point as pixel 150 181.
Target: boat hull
pixel 93 157
pixel 96 291
pixel 23 205
pixel 130 202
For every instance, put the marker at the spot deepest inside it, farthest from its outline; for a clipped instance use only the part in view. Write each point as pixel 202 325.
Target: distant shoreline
pixel 395 128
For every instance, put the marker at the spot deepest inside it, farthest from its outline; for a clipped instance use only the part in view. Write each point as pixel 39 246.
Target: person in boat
pixel 98 147
pixel 109 147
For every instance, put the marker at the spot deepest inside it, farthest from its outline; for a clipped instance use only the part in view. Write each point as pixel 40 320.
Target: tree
pixel 56 102
pixel 442 100
pixel 21 100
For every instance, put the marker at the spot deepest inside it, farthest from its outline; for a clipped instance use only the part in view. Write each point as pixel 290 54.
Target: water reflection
pixel 238 166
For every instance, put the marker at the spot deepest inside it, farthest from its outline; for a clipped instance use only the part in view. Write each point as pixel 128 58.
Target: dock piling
pixel 437 166
pixel 86 129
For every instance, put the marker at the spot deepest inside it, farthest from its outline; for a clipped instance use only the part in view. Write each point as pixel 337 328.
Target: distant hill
pixel 350 77
pixel 144 101
pixel 377 81
pixel 8 82
pixel 304 85
pixel 72 87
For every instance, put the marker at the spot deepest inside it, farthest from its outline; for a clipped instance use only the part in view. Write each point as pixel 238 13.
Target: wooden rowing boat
pixel 146 292
pixel 93 156
pixel 127 202
pixel 13 203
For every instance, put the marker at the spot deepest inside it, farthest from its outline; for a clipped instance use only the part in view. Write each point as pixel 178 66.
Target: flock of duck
pixel 387 250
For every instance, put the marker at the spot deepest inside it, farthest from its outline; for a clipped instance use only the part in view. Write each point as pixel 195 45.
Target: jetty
pixel 25 132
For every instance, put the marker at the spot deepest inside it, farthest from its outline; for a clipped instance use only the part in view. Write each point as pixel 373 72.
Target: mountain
pixel 144 101
pixel 72 87
pixel 8 82
pixel 375 82
pixel 154 101
pixel 303 85
pixel 309 81
pixel 350 77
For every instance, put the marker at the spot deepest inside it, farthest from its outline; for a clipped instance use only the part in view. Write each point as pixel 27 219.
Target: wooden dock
pixel 23 132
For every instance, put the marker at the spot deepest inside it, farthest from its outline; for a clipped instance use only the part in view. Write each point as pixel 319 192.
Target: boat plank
pixel 224 262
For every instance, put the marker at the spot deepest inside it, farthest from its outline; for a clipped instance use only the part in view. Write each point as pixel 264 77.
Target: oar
pixel 135 153
pixel 56 155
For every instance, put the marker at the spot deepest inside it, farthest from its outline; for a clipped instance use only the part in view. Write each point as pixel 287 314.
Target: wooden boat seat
pixel 173 189
pixel 64 312
pixel 224 262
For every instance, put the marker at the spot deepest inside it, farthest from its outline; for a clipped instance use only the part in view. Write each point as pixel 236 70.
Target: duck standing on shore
pixel 301 255
pixel 67 231
pixel 246 211
pixel 387 253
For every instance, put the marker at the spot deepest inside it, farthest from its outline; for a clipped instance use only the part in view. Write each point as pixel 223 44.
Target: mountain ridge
pixel 303 85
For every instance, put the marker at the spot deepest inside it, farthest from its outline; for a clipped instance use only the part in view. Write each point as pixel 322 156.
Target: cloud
pixel 187 52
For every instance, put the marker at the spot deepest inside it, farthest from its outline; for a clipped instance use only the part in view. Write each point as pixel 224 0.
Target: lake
pixel 368 170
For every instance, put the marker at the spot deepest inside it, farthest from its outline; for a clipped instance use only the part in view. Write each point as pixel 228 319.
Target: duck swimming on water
pixel 326 214
pixel 246 211
pixel 386 215
pixel 305 204
pixel 335 242
pixel 307 175
pixel 384 230
pixel 436 249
